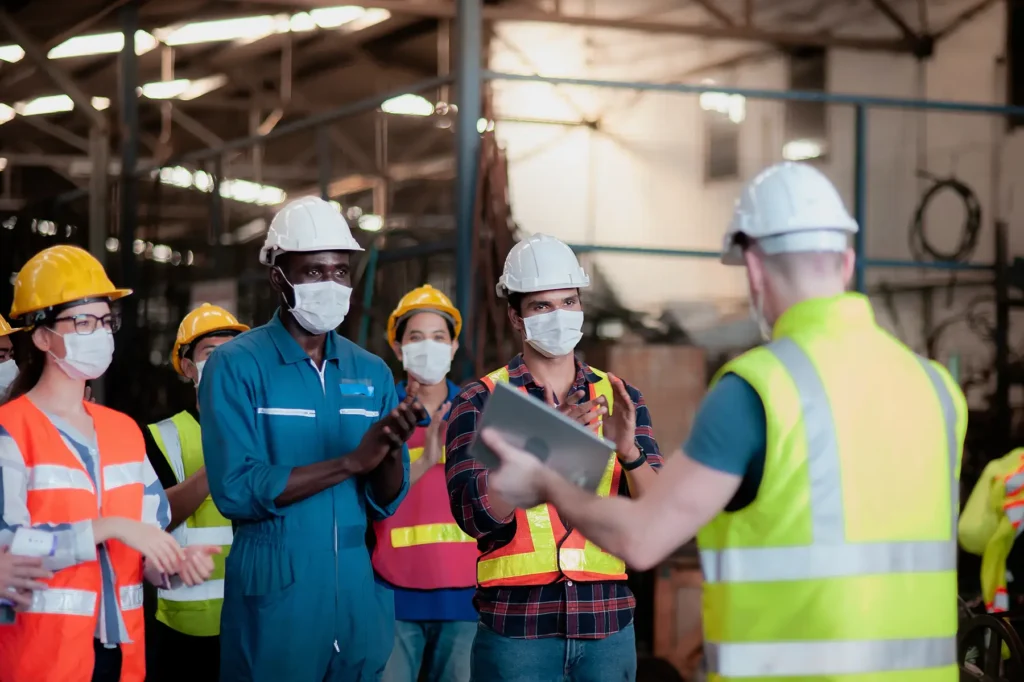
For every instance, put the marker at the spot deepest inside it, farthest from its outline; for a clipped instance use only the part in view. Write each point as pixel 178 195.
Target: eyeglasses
pixel 86 324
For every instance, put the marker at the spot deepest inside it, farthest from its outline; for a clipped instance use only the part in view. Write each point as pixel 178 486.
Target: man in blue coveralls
pixel 304 437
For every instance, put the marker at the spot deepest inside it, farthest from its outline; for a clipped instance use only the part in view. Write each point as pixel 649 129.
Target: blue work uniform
pixel 300 600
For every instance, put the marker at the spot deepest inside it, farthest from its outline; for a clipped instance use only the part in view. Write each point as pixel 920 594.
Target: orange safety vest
pixel 53 640
pixel 543 551
pixel 421 547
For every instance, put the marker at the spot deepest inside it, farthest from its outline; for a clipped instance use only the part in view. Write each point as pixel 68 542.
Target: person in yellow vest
pixel 820 476
pixel 552 605
pixel 990 525
pixel 186 635
pixel 419 552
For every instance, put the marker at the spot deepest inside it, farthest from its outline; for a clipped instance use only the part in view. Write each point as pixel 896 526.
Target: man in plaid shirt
pixel 549 610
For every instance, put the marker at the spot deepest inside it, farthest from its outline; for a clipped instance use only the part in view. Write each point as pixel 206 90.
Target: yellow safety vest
pixel 991 522
pixel 844 567
pixel 195 610
pixel 542 551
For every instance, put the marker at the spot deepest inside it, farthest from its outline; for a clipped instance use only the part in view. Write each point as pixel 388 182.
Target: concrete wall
pixel 639 179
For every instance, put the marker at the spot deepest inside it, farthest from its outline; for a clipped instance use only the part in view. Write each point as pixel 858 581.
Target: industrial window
pixel 722 113
pixel 806 132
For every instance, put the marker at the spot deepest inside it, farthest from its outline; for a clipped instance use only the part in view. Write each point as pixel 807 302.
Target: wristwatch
pixel 636 463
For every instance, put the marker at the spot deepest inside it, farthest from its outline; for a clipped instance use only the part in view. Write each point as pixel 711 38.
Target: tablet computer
pixel 568 447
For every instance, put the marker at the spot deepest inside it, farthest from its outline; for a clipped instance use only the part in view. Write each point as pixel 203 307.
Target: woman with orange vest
pixel 78 490
pixel 420 552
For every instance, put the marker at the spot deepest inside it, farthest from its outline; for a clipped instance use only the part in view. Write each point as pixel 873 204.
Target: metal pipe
pixel 129 204
pixel 860 198
pixel 783 95
pixel 469 85
pixel 99 156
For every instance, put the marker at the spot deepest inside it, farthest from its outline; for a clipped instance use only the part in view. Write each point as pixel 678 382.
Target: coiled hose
pixel 923 249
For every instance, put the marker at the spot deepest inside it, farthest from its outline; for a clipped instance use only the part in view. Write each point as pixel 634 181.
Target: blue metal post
pixel 469 84
pixel 860 196
pixel 368 286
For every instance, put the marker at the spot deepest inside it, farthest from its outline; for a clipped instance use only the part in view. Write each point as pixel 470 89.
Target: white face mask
pixel 86 356
pixel 320 307
pixel 427 361
pixel 199 371
pixel 8 372
pixel 757 314
pixel 556 333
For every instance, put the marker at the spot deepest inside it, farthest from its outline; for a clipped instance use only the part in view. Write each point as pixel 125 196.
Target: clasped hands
pixel 387 436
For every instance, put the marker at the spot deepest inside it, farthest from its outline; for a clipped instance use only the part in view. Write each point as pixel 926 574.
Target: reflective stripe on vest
pixel 64 602
pixel 830 555
pixel 542 551
pixel 55 477
pixel 428 534
pixel 192 610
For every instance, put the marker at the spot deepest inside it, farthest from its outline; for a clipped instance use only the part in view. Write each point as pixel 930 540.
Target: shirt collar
pixel 290 350
pixel 845 310
pixel 520 377
pixel 453 392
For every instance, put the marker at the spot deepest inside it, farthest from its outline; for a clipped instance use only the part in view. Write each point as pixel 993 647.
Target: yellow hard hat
pixel 57 276
pixel 425 297
pixel 206 319
pixel 5 328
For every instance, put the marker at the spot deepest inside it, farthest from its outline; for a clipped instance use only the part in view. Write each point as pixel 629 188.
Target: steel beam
pixel 714 10
pixel 469 85
pixel 195 128
pixel 37 54
pixel 63 134
pixel 446 10
pixel 893 16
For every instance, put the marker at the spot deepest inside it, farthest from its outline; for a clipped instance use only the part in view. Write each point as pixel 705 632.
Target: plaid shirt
pixel 591 610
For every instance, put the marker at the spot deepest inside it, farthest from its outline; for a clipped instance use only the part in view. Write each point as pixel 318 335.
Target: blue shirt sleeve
pixel 389 401
pixel 243 482
pixel 730 432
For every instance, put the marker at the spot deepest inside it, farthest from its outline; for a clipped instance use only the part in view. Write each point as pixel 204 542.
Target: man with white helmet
pixel 552 605
pixel 821 471
pixel 304 438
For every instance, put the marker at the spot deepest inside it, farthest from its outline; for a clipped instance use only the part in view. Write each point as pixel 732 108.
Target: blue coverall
pixel 300 601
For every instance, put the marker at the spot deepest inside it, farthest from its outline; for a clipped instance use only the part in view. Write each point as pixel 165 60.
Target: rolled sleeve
pixel 73 543
pixel 243 482
pixel 466 477
pixel 389 401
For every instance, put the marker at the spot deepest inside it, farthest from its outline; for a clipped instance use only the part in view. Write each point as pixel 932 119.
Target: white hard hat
pixel 307 224
pixel 540 263
pixel 789 208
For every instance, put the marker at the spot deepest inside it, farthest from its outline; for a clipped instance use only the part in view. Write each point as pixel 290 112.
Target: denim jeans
pixel 554 659
pixel 442 648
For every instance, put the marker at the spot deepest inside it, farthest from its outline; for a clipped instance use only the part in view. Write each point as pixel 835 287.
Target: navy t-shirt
pixel 730 434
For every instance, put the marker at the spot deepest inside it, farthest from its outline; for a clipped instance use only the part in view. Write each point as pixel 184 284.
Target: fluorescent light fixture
pixel 370 17
pixel 3 163
pixel 101 43
pixel 732 106
pixel 370 222
pixel 161 253
pixel 483 126
pixel 333 17
pixel 113 246
pixel 53 104
pixel 242 28
pixel 11 53
pixel 238 190
pixel 408 105
pixel 801 150
pixel 183 88
pixel 6 113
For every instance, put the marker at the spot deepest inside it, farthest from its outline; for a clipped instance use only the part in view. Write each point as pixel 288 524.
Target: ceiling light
pixel 801 150
pixel 100 43
pixel 371 222
pixel 3 163
pixel 238 190
pixel 6 113
pixel 11 53
pixel 733 106
pixel 52 104
pixel 183 88
pixel 483 126
pixel 113 246
pixel 408 105
pixel 333 17
pixel 301 23
pixel 369 17
pixel 243 28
